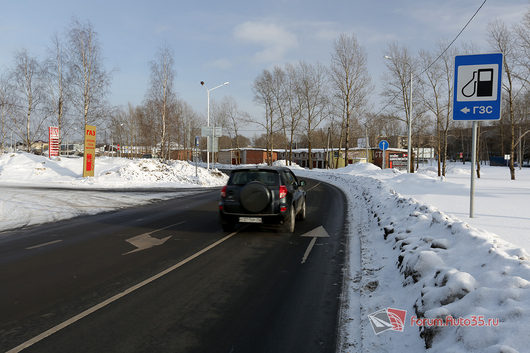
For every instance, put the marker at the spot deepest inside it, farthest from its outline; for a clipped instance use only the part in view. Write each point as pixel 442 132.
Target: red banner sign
pixel 53 141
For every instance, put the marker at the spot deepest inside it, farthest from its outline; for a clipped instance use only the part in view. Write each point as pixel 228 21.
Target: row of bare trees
pixel 67 89
pixel 304 100
pixel 162 123
pixel 299 98
pixel 432 74
pixel 308 104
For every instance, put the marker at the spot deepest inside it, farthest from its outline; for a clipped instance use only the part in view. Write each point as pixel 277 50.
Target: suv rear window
pixel 269 178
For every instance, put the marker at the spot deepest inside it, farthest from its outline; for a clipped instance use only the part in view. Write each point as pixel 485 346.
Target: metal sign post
pixel 383 145
pixel 212 134
pixel 477 97
pixel 473 166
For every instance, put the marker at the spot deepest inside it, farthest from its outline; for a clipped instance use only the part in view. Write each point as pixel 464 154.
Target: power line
pixel 439 56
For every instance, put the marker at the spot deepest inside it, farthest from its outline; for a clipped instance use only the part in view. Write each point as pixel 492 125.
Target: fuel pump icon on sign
pixel 480 85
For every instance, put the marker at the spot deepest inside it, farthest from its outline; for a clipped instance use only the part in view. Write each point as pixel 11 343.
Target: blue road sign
pixel 383 145
pixel 477 87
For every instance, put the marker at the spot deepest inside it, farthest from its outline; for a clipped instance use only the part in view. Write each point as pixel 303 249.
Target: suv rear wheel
pixel 302 213
pixel 290 222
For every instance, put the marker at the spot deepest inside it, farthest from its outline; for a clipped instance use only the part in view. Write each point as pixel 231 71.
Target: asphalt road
pixel 82 287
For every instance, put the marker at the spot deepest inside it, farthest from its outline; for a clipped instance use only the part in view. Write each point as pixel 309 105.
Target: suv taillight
pixel 283 191
pixel 223 192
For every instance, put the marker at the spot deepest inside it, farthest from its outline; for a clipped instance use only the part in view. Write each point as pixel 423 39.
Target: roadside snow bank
pixel 37 190
pixel 447 269
pixel 110 172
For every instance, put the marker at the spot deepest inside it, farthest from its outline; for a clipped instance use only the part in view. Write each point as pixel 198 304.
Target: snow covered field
pixel 412 245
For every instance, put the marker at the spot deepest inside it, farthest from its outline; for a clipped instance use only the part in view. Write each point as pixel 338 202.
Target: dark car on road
pixel 262 195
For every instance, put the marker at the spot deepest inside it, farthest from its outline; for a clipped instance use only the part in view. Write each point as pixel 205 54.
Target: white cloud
pixel 274 39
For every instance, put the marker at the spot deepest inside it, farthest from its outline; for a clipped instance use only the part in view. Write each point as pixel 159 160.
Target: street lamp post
pixel 208 122
pixel 409 120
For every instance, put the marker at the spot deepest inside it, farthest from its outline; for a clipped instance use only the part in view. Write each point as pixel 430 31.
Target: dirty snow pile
pixel 35 189
pixel 283 163
pixel 407 255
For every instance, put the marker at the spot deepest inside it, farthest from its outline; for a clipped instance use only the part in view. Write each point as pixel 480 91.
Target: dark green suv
pixel 262 195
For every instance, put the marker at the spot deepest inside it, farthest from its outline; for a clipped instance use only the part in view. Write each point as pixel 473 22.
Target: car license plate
pixel 250 219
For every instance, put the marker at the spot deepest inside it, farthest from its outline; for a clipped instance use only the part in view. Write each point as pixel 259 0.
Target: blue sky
pixel 218 41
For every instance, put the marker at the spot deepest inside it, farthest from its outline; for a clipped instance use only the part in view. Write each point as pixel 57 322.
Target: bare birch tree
pixel 312 92
pixel 400 66
pixel 28 92
pixel 293 106
pixel 503 40
pixel 432 96
pixel 281 96
pixel 350 80
pixel 522 32
pixel 263 94
pixel 56 84
pixel 230 118
pixel 90 81
pixel 6 108
pixel 161 95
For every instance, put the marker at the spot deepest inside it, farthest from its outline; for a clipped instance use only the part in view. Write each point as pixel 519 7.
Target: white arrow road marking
pixel 146 241
pixel 318 232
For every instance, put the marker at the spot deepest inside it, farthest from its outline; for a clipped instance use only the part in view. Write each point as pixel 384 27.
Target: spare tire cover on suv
pixel 255 197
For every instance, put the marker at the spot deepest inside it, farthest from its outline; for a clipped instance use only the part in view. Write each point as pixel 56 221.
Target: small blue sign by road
pixel 383 145
pixel 477 87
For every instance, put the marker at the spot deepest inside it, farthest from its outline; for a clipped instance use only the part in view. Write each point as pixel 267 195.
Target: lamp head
pixel 202 83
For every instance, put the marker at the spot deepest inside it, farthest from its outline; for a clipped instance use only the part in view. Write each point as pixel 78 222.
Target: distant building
pixel 245 156
pixel 327 158
pixel 394 158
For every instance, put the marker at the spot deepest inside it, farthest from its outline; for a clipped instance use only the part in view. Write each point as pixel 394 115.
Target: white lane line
pixel 44 244
pixel 169 226
pixel 114 298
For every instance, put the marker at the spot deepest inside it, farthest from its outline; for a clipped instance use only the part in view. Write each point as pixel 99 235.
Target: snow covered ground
pixel 412 245
pixel 451 275
pixel 25 182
